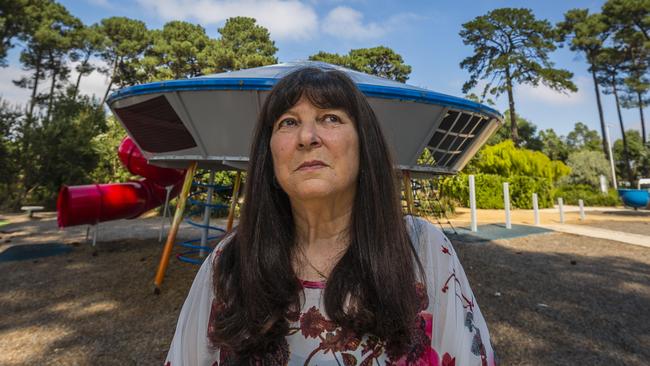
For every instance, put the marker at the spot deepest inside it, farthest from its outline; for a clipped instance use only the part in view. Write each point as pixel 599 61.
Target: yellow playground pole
pixel 406 177
pixel 233 203
pixel 171 237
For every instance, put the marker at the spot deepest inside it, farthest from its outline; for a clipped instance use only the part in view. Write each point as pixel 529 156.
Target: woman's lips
pixel 312 165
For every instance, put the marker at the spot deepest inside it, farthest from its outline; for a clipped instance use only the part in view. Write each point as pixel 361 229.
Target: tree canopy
pixel 244 44
pixel 180 50
pixel 127 40
pixel 511 46
pixel 380 61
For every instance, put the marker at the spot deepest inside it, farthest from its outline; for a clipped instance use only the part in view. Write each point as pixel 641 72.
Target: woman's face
pixel 315 152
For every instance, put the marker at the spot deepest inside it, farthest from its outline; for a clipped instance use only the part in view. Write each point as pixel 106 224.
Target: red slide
pixel 93 203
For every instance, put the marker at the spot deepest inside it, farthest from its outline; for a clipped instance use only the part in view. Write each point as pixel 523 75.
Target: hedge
pixel 591 197
pixel 489 190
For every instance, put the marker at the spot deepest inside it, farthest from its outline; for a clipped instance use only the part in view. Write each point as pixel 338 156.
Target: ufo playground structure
pixel 210 119
pixel 207 122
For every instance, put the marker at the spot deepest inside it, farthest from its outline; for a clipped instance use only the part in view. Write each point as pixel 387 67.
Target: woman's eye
pixel 287 122
pixel 331 118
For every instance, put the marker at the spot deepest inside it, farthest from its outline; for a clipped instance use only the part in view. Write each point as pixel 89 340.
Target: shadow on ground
pixel 630 212
pixel 553 300
pixel 564 300
pixel 82 309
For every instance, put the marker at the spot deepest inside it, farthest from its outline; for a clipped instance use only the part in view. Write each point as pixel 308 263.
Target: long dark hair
pixel 254 279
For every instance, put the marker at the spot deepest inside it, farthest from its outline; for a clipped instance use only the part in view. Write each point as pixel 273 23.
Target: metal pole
pixel 406 176
pixel 536 209
pixel 233 202
pixel 582 210
pixel 162 221
pixel 560 203
pixel 206 215
pixel 611 157
pixel 472 204
pixel 95 229
pixel 506 204
pixel 171 237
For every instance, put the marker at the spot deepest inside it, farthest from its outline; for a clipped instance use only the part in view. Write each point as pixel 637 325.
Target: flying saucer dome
pixel 210 119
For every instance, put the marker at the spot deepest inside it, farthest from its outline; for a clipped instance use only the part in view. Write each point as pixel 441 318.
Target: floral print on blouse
pixel 448 331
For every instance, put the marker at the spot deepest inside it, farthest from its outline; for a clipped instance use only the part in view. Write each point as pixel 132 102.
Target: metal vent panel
pixel 457 133
pixel 155 126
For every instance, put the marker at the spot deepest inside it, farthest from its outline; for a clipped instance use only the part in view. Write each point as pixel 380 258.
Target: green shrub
pixel 522 189
pixel 506 160
pixel 586 168
pixel 591 197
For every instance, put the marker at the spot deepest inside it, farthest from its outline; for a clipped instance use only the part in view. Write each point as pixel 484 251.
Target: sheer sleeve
pixel 460 335
pixel 190 345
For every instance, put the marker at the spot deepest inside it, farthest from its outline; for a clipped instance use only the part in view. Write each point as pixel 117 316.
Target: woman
pixel 323 269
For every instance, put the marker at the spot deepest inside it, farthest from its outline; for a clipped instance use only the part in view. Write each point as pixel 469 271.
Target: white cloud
pixel 93 84
pixel 546 95
pixel 285 19
pixel 345 22
pixel 9 91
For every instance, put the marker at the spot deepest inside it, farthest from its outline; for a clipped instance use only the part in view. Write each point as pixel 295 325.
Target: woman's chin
pixel 312 194
pixel 313 190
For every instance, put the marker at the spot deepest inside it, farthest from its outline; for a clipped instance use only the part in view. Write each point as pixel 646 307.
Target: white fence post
pixel 472 204
pixel 506 204
pixel 560 203
pixel 603 184
pixel 582 210
pixel 536 209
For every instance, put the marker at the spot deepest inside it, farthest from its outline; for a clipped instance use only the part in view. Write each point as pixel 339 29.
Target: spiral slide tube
pixel 94 203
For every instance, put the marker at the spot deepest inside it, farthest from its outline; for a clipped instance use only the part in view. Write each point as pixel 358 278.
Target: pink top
pixel 449 330
pixel 313 284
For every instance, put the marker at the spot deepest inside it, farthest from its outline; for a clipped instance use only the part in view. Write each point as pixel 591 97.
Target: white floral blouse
pixel 449 330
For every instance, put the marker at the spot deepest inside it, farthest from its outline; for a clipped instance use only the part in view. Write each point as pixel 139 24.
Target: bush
pixel 489 190
pixel 506 160
pixel 591 197
pixel 109 168
pixel 586 168
pixel 522 189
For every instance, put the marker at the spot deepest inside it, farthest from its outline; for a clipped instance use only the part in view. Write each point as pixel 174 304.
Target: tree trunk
pixel 110 84
pixel 76 85
pixel 514 132
pixel 640 99
pixel 52 87
pixel 37 75
pixel 600 113
pixel 626 154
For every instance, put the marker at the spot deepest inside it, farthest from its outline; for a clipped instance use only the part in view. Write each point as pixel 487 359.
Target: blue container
pixel 636 198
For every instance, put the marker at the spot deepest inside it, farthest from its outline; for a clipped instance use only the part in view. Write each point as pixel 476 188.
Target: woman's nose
pixel 308 136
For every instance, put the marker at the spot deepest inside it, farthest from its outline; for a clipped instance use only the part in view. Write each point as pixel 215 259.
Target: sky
pixel 425 33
